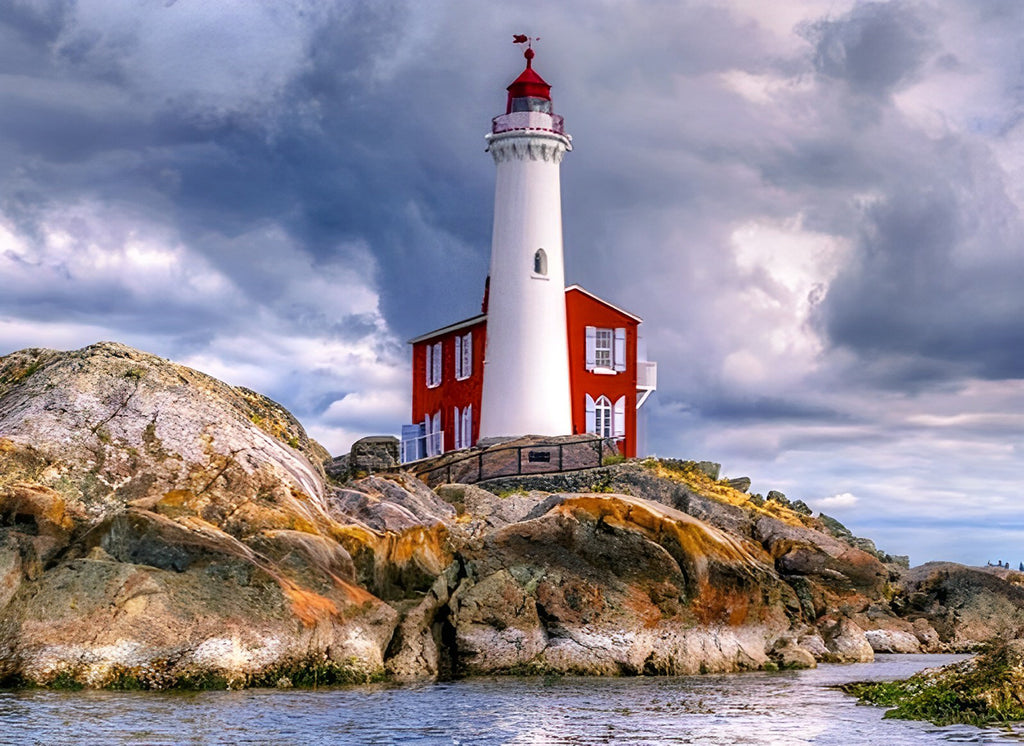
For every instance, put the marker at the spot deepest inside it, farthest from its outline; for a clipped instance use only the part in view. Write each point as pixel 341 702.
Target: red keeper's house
pixel 608 379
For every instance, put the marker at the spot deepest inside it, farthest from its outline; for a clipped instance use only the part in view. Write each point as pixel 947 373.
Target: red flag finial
pixel 528 41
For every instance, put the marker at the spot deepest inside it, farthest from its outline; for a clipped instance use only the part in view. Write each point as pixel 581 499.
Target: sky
pixel 816 206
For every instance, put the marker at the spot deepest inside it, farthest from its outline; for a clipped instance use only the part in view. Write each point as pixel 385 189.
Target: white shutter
pixel 619 419
pixel 458 357
pixel 467 426
pixel 430 366
pixel 438 439
pixel 619 360
pixel 467 355
pixel 428 449
pixel 591 414
pixel 457 425
pixel 591 349
pixel 437 365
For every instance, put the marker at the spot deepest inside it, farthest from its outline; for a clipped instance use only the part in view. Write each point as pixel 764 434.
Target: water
pixel 754 708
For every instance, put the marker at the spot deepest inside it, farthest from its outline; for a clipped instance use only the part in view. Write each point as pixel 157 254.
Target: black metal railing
pixel 522 460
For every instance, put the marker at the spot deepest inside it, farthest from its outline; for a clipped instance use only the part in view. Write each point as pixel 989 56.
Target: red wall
pixel 450 393
pixel 581 311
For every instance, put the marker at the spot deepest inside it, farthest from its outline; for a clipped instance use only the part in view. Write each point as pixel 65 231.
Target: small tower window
pixel 540 262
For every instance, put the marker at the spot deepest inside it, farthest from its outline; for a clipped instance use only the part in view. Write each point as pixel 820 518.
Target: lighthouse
pixel 526 362
pixel 540 358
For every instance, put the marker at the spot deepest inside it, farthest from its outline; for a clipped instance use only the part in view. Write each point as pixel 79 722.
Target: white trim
pixel 602 300
pixel 604 419
pixel 450 328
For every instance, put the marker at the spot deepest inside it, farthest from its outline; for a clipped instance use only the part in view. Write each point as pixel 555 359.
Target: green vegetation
pixel 510 492
pixel 309 672
pixel 20 374
pixel 981 691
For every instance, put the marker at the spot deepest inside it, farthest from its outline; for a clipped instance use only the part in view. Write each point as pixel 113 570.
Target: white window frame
pixel 603 419
pixel 434 370
pixel 606 350
pixel 463 356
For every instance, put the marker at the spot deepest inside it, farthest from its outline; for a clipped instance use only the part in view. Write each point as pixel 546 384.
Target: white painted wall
pixel 526 364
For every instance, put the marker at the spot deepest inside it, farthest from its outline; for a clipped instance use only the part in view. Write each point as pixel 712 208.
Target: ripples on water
pixel 783 708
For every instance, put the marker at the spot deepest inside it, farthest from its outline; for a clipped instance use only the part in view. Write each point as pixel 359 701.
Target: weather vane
pixel 524 39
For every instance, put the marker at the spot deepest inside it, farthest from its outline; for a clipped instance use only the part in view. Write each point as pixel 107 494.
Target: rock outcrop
pixel 599 584
pixel 160 528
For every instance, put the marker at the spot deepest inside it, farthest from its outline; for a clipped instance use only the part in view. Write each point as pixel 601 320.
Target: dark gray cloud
pixel 875 47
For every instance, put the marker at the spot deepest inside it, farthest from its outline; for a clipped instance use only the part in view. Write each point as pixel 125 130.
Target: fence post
pixel 480 467
pixel 560 447
pixel 519 461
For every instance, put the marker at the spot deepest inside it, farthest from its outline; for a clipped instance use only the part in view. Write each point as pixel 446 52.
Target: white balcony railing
pixel 646 380
pixel 422 446
pixel 646 375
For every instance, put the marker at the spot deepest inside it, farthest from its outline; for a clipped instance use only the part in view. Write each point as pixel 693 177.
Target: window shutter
pixel 437 443
pixel 619 420
pixel 430 364
pixel 467 426
pixel 458 357
pixel 467 355
pixel 591 349
pixel 619 361
pixel 591 414
pixel 437 365
pixel 457 426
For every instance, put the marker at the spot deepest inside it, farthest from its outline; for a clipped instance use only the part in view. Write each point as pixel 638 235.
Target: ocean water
pixel 794 707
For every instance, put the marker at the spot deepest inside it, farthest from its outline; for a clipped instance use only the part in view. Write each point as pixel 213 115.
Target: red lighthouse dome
pixel 529 92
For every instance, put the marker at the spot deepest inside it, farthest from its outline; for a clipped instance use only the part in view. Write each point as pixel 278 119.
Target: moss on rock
pixel 979 691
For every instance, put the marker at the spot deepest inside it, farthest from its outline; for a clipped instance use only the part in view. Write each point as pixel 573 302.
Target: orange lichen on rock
pixel 724 573
pixel 310 607
pixel 696 538
pixel 425 546
pixel 51 512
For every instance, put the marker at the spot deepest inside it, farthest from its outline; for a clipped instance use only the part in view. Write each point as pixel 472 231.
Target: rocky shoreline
pixel 161 529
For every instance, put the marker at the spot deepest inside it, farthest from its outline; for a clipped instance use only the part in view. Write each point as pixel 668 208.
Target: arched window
pixel 540 262
pixel 603 417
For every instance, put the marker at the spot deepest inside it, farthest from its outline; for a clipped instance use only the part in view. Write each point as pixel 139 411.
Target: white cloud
pixel 278 325
pixel 841 500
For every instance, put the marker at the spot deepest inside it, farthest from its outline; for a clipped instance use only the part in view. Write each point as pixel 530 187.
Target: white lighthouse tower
pixel 526 363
